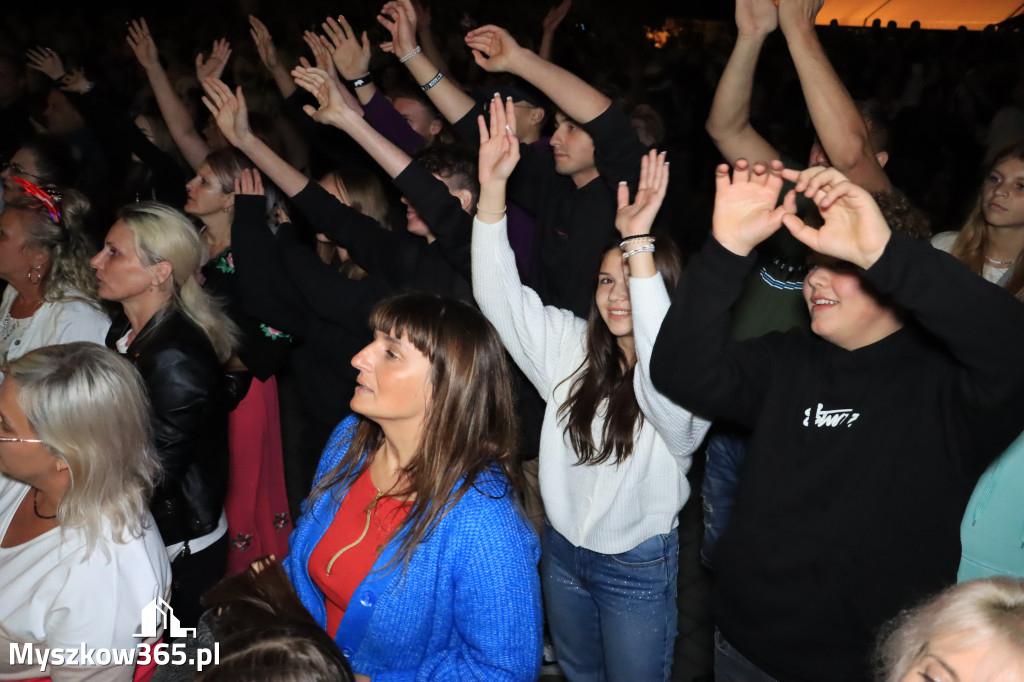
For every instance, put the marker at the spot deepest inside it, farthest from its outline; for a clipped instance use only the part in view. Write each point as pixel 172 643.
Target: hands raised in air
pixel 494 49
pixel 351 56
pixel 214 66
pixel 637 218
pixel 746 212
pixel 499 146
pixel 332 108
pixel 399 18
pixel 47 61
pixel 141 42
pixel 228 109
pixel 756 17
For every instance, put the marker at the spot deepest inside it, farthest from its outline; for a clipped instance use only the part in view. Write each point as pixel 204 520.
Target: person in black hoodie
pixel 868 436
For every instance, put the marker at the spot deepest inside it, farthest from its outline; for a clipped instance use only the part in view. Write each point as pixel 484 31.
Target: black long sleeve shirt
pixel 861 462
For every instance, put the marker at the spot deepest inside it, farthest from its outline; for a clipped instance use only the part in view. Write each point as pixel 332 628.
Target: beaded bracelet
pixel 433 81
pixel 649 248
pixel 484 210
pixel 403 60
pixel 361 81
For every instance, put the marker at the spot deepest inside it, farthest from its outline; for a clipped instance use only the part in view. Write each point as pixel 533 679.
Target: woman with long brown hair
pixel 992 239
pixel 411 552
pixel 614 452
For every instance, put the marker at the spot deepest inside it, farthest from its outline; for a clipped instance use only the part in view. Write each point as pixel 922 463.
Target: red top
pixel 348 526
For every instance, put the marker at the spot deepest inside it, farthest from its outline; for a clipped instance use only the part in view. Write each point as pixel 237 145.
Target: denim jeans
pixel 612 616
pixel 732 666
pixel 726 451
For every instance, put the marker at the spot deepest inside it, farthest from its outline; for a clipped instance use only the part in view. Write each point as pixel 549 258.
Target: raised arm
pixel 840 127
pixel 192 145
pixel 649 301
pixel 399 17
pixel 729 120
pixel 268 55
pixel 552 19
pixel 333 110
pixel 496 51
pixel 232 117
pixel 535 336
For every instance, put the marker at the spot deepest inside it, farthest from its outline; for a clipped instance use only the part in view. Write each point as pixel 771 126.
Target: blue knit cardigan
pixel 467 608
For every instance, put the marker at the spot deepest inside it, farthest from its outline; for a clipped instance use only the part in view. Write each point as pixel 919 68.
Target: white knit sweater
pixel 608 508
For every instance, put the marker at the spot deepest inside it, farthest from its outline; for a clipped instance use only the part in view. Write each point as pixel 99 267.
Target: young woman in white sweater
pixel 614 452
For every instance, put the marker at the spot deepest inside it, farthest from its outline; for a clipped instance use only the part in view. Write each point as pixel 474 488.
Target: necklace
pixel 1000 263
pixel 9 324
pixel 366 528
pixel 35 505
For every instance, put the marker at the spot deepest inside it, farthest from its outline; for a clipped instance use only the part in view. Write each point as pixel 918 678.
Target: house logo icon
pixel 156 612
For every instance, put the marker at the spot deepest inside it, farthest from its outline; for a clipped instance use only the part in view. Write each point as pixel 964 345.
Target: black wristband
pixel 361 81
pixel 433 81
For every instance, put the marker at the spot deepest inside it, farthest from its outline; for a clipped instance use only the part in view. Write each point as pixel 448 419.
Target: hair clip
pixel 49 197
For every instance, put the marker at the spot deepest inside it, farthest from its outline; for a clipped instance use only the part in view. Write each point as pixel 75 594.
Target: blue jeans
pixel 732 666
pixel 726 451
pixel 612 616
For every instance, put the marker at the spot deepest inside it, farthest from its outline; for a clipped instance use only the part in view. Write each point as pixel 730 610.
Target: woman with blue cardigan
pixel 411 551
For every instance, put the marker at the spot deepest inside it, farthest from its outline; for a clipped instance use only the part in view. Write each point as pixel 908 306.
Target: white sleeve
pixel 79 321
pixel 538 337
pixel 678 427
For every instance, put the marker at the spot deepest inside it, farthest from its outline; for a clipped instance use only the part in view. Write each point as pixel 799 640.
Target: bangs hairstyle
pixel 606 375
pixel 972 242
pixel 90 408
pixel 162 234
pixel 69 274
pixel 989 610
pixel 469 427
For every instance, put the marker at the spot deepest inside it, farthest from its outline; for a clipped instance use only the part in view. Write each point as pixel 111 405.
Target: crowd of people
pixel 380 348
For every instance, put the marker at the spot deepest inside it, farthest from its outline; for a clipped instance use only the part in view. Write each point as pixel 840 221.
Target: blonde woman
pixel 177 337
pixel 80 555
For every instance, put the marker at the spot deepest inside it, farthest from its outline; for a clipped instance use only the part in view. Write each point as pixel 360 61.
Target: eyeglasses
pixel 15 169
pixel 19 440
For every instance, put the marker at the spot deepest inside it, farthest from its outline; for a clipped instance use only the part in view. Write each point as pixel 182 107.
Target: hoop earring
pixel 37 271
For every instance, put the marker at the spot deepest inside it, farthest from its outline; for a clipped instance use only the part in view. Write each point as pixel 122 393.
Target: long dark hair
pixel 606 374
pixel 470 424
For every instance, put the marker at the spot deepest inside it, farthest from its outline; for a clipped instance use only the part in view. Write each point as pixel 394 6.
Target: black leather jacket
pixel 186 388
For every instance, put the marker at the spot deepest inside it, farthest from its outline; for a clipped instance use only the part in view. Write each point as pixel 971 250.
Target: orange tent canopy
pixel 933 14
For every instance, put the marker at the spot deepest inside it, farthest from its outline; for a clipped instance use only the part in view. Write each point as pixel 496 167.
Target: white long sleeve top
pixel 608 508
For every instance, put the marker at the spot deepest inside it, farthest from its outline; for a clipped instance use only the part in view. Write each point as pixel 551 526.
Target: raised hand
pixel 351 57
pixel 141 42
pixel 264 43
pixel 494 49
pixel 854 231
pixel 399 18
pixel 756 17
pixel 637 218
pixel 745 205
pixel 76 82
pixel 332 108
pixel 214 66
pixel 499 146
pixel 249 183
pixel 321 49
pixel 46 60
pixel 228 109
pixel 555 16
pixel 798 13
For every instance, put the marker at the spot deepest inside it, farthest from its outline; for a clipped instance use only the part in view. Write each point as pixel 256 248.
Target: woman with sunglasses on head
pixel 44 258
pixel 614 451
pixel 80 555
